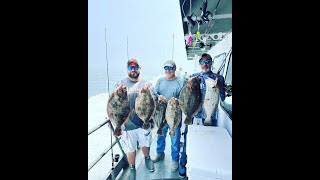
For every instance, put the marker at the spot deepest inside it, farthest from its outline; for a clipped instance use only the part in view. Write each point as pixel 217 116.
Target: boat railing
pixel 119 164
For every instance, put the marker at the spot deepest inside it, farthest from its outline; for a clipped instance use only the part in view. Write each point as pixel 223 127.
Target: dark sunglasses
pixel 133 67
pixel 206 61
pixel 168 68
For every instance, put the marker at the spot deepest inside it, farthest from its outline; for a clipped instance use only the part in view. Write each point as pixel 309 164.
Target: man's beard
pixel 205 70
pixel 134 76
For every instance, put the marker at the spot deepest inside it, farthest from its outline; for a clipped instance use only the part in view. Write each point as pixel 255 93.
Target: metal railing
pixel 122 162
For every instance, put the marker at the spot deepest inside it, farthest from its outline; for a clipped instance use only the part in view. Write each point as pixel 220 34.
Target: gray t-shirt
pixel 169 88
pixel 134 121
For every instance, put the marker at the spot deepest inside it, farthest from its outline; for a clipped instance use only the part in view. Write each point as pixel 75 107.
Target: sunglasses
pixel 206 61
pixel 133 67
pixel 168 68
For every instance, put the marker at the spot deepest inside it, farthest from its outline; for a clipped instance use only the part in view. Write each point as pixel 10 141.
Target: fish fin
pixel 117 131
pixel 146 125
pixel 125 121
pixel 171 132
pixel 154 109
pixel 197 110
pixel 187 121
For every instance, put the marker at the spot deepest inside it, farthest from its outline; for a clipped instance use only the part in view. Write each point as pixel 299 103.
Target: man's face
pixel 170 71
pixel 205 65
pixel 133 71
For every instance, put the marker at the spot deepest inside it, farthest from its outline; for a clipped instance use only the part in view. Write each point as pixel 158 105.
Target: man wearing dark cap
pixel 132 131
pixel 205 63
pixel 167 87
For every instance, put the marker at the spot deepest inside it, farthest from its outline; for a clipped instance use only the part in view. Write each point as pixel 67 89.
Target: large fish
pixel 159 116
pixel 211 99
pixel 190 98
pixel 173 114
pixel 118 108
pixel 145 106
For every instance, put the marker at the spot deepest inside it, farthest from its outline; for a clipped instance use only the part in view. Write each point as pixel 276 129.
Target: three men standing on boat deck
pixel 167 87
pixel 132 131
pixel 205 63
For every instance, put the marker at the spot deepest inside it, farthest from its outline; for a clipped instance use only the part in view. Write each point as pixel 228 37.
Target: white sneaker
pixel 174 166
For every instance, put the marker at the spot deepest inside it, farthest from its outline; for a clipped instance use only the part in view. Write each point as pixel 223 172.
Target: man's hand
pixel 162 98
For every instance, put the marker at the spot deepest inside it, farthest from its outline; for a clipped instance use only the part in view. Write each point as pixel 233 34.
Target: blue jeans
pixel 175 142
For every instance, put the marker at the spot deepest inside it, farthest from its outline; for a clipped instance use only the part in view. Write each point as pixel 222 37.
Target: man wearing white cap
pixel 167 87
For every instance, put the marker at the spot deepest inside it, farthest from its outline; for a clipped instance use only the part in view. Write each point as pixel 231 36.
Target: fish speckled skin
pixel 173 114
pixel 118 108
pixel 190 98
pixel 211 99
pixel 145 106
pixel 159 116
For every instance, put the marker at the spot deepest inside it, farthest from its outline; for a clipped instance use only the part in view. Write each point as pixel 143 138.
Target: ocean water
pixel 100 140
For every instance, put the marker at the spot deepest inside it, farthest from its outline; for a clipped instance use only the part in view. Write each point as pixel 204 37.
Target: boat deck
pixel 162 169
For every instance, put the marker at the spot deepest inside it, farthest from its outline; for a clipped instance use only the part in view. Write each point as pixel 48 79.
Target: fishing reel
pixel 116 157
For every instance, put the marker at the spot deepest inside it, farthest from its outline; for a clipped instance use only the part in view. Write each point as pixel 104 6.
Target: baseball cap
pixel 169 63
pixel 205 56
pixel 132 62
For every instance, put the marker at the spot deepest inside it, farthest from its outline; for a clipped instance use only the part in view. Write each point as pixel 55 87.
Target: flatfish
pixel 118 108
pixel 145 106
pixel 173 114
pixel 159 115
pixel 190 98
pixel 211 99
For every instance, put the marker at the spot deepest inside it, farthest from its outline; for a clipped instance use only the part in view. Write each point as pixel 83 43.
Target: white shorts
pixel 130 138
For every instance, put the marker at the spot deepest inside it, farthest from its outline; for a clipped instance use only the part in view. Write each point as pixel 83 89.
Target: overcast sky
pixel 149 26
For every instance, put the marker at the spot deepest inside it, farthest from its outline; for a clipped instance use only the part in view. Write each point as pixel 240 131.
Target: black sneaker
pixel 149 164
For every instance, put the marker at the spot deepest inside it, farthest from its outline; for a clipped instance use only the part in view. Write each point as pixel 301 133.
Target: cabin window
pixel 227 103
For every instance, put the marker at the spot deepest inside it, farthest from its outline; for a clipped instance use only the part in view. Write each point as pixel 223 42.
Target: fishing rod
pixel 112 167
pixel 224 61
pixel 127 48
pixel 172 45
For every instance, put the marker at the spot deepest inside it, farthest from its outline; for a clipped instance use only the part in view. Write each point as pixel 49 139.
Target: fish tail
pixel 117 131
pixel 207 121
pixel 187 121
pixel 160 132
pixel 171 133
pixel 146 125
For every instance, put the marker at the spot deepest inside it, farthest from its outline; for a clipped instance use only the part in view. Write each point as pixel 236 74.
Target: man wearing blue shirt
pixel 205 63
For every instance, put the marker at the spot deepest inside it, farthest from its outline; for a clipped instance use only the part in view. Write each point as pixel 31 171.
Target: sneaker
pixel 132 172
pixel 174 166
pixel 182 172
pixel 149 164
pixel 158 157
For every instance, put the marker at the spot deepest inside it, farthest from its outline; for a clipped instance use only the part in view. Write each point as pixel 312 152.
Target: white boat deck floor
pixel 162 167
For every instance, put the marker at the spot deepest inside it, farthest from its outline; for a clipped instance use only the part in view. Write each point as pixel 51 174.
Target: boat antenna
pixel 112 160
